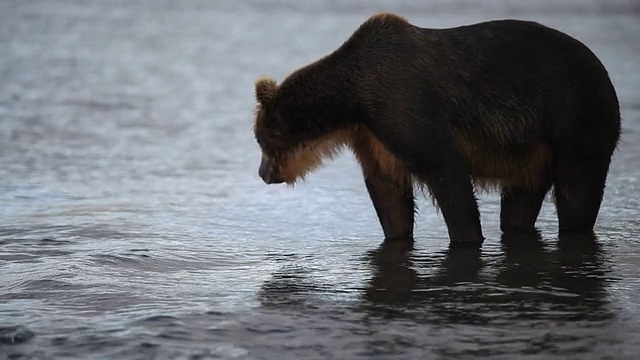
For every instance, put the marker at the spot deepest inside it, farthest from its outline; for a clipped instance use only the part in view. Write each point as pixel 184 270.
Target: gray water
pixel 133 224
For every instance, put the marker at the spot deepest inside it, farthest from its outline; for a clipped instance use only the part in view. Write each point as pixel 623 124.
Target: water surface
pixel 133 224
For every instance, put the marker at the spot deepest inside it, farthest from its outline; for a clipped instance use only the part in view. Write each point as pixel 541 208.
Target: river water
pixel 133 224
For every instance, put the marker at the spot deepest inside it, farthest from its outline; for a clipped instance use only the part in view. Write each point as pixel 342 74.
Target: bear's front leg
pixel 394 205
pixel 452 189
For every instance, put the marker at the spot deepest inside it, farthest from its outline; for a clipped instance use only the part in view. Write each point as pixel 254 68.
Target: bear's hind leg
pixel 520 206
pixel 579 187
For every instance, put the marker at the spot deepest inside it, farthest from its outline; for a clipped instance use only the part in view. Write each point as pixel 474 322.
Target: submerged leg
pixel 452 189
pixel 520 207
pixel 578 195
pixel 389 186
pixel 394 205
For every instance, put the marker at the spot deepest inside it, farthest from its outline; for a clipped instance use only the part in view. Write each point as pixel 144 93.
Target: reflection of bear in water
pixel 511 105
pixel 463 285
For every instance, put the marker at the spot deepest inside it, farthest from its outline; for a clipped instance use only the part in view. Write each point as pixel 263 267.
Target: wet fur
pixel 369 151
pixel 489 171
pixel 517 126
pixel 490 168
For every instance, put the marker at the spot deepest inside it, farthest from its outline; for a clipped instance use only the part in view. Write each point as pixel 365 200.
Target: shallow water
pixel 133 224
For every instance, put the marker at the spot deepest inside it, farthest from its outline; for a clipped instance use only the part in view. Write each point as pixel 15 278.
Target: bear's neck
pixel 326 92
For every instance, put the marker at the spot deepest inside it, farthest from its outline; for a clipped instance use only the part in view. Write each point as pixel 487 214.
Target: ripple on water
pixel 133 223
pixel 14 335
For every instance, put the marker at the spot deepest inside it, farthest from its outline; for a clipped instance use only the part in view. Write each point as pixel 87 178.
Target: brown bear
pixel 509 105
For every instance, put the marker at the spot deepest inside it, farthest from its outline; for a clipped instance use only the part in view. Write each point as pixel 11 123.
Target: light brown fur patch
pixel 369 151
pixel 309 157
pixel 374 157
pixel 491 170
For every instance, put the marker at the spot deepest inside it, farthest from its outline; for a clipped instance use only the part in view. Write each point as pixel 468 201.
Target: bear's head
pixel 269 131
pixel 290 134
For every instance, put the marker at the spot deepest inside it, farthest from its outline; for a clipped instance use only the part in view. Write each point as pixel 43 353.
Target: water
pixel 133 224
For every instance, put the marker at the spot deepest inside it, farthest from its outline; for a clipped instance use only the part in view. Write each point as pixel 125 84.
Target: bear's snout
pixel 268 171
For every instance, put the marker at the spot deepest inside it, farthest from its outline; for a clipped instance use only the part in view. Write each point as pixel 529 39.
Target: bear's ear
pixel 266 89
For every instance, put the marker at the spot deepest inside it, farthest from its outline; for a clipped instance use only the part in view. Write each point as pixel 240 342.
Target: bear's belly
pixel 494 168
pixel 489 168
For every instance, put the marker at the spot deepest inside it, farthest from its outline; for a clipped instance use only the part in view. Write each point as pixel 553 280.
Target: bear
pixel 506 105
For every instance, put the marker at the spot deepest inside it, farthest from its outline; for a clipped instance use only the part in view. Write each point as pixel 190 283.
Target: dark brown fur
pixel 506 105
